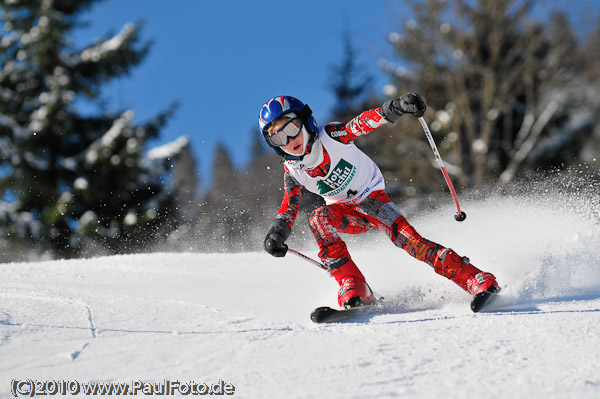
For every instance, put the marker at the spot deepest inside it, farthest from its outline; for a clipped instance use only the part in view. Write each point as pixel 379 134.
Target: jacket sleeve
pixel 291 199
pixel 361 125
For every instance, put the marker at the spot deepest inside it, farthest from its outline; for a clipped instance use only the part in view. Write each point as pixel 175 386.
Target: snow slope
pixel 244 318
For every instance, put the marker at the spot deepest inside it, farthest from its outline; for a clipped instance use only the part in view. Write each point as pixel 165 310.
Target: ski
pixel 326 314
pixel 483 298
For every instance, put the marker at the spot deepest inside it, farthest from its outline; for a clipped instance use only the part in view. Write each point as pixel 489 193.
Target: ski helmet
pixel 280 106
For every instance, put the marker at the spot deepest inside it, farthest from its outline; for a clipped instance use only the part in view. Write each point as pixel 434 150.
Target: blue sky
pixel 221 60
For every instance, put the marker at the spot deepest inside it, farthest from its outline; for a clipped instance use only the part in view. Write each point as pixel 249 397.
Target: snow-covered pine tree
pixel 68 179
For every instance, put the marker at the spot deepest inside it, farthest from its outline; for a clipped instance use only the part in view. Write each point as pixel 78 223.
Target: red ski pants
pixel 375 211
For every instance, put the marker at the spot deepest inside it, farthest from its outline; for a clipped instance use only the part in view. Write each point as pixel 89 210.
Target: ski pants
pixel 377 210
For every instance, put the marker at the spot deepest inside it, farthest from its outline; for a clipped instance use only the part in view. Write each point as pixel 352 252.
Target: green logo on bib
pixel 338 179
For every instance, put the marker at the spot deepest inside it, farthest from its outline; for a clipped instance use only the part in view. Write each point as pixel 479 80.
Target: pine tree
pixel 223 216
pixel 186 180
pixel 225 181
pixel 74 178
pixel 350 83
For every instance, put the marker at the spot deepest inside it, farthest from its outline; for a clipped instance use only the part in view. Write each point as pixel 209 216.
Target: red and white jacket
pixel 342 173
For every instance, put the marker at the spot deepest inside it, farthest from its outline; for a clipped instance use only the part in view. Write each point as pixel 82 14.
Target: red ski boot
pixel 482 282
pixel 458 269
pixel 354 290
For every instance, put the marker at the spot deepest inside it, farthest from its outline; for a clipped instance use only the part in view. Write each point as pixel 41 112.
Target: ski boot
pixel 459 270
pixel 482 282
pixel 354 290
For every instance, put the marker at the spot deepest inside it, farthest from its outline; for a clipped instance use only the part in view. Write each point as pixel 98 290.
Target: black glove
pixel 409 103
pixel 274 241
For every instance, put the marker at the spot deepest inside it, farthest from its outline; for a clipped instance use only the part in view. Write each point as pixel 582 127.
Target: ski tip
pixel 320 315
pixel 482 299
pixel 326 314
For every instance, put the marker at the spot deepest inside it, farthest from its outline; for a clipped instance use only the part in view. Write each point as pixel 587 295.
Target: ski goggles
pixel 290 130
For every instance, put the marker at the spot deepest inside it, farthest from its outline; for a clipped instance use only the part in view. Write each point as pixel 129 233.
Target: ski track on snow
pixel 38 297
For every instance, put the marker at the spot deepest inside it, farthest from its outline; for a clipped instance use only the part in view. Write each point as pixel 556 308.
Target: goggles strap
pixel 305 113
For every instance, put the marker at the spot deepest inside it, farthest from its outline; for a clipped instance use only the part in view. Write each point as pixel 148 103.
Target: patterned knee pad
pixel 332 250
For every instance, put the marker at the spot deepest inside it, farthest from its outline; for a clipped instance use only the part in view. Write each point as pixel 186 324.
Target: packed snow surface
pixel 243 319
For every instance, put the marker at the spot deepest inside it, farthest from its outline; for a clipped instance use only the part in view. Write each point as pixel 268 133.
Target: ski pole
pixel 306 258
pixel 460 216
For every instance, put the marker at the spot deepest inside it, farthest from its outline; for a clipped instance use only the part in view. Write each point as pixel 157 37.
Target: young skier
pixel 325 161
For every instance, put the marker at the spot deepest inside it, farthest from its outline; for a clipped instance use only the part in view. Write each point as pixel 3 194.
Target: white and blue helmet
pixel 280 106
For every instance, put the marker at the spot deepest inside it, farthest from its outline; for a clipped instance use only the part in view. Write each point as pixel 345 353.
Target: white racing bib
pixel 352 175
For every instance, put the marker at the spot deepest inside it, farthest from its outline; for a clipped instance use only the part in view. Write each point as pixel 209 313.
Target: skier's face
pixel 295 145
